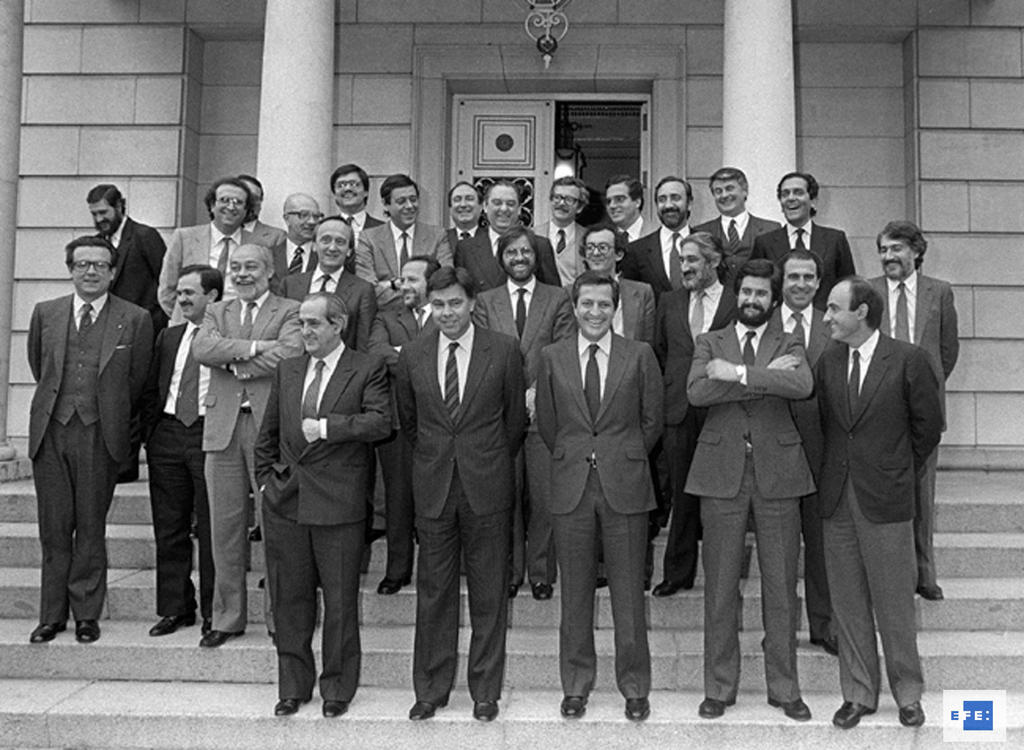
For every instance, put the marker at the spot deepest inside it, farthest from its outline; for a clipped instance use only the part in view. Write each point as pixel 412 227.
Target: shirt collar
pixel 713 292
pixel 666 235
pixel 331 360
pixel 787 313
pixel 529 286
pixel 791 230
pixel 259 301
pixel 604 343
pixel 465 340
pixel 741 332
pixel 319 274
pixel 97 305
pixel 115 236
pixel 867 349
pixel 397 233
pixel 910 283
pixel 218 236
pixel 634 229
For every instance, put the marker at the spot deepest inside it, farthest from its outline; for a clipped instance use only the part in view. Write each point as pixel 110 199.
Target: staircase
pixel 132 691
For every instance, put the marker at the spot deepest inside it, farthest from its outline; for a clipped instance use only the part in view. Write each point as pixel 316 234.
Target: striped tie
pixel 451 382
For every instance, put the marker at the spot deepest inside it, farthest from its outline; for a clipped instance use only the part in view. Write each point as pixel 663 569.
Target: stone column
pixel 759 96
pixel 294 153
pixel 11 23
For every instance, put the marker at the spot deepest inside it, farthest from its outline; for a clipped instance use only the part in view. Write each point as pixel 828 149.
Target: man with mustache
pixel 654 259
pixel 350 186
pixel 749 462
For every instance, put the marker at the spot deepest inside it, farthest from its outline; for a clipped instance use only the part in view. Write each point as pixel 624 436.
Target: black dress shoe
pixel 334 709
pixel 207 626
pixel 47 631
pixel 168 625
pixel 217 638
pixel 712 708
pixel 542 591
pixel 666 588
pixel 573 706
pixel 830 645
pixel 796 710
pixel 912 715
pixel 485 710
pixel 637 709
pixel 87 631
pixel 287 706
pixel 425 709
pixel 931 593
pixel 848 715
pixel 513 589
pixel 390 586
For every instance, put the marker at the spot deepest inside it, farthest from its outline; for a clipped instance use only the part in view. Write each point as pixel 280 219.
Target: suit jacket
pixel 827 243
pixel 756 226
pixel 124 363
pixel 643 262
pixel 158 381
pixel 570 262
pixel 758 412
pixel 391 330
pixel 629 423
pixel 300 480
pixel 453 236
pixel 484 438
pixel 476 256
pixel 219 344
pixel 139 259
pixel 282 260
pixel 880 448
pixel 266 235
pixel 935 326
pixel 358 297
pixel 638 310
pixel 189 245
pixel 377 256
pixel 674 345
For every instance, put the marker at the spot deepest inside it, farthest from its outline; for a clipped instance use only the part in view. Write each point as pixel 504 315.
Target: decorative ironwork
pixel 525 186
pixel 547 24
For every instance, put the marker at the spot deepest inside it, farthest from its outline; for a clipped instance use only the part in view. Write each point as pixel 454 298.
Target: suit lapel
pixel 568 362
pixel 654 258
pixel 536 313
pixel 125 247
pixel 171 342
pixel 616 369
pixel 922 308
pixel 770 341
pixel 479 361
pixel 877 369
pixel 505 317
pixel 818 337
pixel 726 301
pixel 266 313
pixel 408 322
pixel 343 373
pixel 630 306
pixel 111 333
pixel 388 250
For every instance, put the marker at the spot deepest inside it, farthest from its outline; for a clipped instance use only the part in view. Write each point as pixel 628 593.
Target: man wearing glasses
pixel 296 253
pixel 89 353
pixel 568 197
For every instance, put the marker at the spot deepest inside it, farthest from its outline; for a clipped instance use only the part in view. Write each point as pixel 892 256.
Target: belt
pixel 165 415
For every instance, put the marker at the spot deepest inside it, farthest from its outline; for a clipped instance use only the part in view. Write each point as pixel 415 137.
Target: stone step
pixel 952 659
pixel 970 604
pixel 202 716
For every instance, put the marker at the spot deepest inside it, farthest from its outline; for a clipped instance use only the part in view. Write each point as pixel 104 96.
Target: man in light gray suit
pixel 568 197
pixel 241 341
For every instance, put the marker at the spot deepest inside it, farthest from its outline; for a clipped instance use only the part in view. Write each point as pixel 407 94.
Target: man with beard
pixel 749 462
pixel 536 315
pixel 654 259
pixel 465 206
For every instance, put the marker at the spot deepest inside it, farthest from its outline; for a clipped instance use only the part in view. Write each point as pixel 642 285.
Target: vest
pixel 80 382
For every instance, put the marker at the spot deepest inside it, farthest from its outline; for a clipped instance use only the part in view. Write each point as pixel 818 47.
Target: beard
pixel 752 315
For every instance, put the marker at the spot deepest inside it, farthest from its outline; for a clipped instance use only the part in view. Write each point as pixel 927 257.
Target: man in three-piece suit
pixel 919 309
pixel 460 401
pixel 881 414
pixel 173 407
pixel 259 233
pixel 465 204
pixel 382 251
pixel 568 197
pixel 797 192
pixel 314 463
pixel 703 304
pixel 296 252
pixel 624 202
pixel 333 242
pixel 479 254
pixel 599 402
pixel 801 271
pixel 350 186
pixel 241 341
pixel 89 353
pixel 749 462
pixel 735 227
pixel 536 315
pixel 392 330
pixel 654 259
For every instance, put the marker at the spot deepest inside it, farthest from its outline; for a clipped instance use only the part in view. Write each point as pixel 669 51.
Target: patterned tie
pixel 902 316
pixel 798 327
pixel 734 237
pixel 592 383
pixel 800 240
pixel 463 235
pixel 250 311
pixel 697 315
pixel 225 253
pixel 296 265
pixel 561 242
pixel 521 311
pixel 748 349
pixel 853 386
pixel 85 321
pixel 675 267
pixel 186 407
pixel 312 396
pixel 451 381
pixel 403 255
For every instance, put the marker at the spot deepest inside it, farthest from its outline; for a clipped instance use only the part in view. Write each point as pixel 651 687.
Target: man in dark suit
pixel 654 259
pixel 392 330
pixel 797 192
pixel 797 315
pixel 89 353
pixel 536 315
pixel 602 250
pixel 173 407
pixel 241 341
pixel 333 242
pixel 296 253
pixel 465 205
pixel 749 463
pixel 702 305
pixel 882 417
pixel 350 186
pixel 919 309
pixel 460 401
pixel 735 227
pixel 479 254
pixel 324 412
pixel 599 413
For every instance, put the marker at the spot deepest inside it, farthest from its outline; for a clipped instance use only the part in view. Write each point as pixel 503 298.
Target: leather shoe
pixel 87 631
pixel 485 710
pixel 425 709
pixel 287 706
pixel 542 591
pixel 667 588
pixel 637 709
pixel 47 631
pixel 390 586
pixel 334 709
pixel 574 706
pixel 217 638
pixel 912 715
pixel 513 589
pixel 848 715
pixel 931 593
pixel 168 625
pixel 796 710
pixel 207 626
pixel 712 708
pixel 830 645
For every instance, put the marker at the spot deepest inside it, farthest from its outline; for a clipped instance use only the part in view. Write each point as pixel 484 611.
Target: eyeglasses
pixel 347 184
pixel 233 202
pixel 305 215
pixel 566 199
pixel 598 248
pixel 85 265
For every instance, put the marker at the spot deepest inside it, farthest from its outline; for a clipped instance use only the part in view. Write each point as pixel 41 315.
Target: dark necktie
pixel 800 240
pixel 186 407
pixel 853 386
pixel 346 219
pixel 748 349
pixel 798 327
pixel 403 255
pixel 296 265
pixel 521 311
pixel 85 321
pixel 592 384
pixel 734 237
pixel 697 316
pixel 463 235
pixel 324 282
pixel 250 311
pixel 561 242
pixel 675 267
pixel 451 382
pixel 225 254
pixel 312 396
pixel 902 316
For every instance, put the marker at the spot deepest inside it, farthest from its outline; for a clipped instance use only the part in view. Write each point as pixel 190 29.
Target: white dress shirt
pixel 216 247
pixel 788 324
pixel 77 303
pixel 179 367
pixel 634 229
pixel 462 354
pixel 396 233
pixel 791 234
pixel 666 245
pixel 710 300
pixel 867 352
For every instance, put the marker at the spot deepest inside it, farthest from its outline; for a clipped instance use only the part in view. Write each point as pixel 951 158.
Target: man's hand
pixel 785 362
pixel 721 369
pixel 311 429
